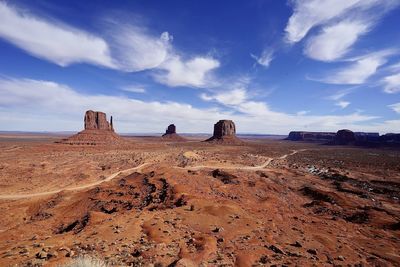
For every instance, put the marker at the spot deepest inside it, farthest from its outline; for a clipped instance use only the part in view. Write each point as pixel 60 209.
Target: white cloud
pixel 134 89
pixel 342 104
pixel 340 94
pixel 308 14
pixel 27 104
pixel 233 97
pixel 134 49
pixel 52 40
pixel 395 107
pixel 360 69
pixel 335 40
pixel 194 72
pixel 125 47
pixel 265 59
pixel 302 112
pixel 392 83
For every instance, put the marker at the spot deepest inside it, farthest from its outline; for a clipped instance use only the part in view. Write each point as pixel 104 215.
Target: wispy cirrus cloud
pixel 134 89
pixel 358 69
pixel 52 40
pixel 308 14
pixel 395 107
pixel 392 83
pixel 342 104
pixel 340 22
pixel 123 46
pixel 265 58
pixel 333 42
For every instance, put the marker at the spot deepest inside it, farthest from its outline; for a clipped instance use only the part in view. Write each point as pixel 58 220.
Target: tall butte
pixel 225 133
pixel 171 135
pixel 97 131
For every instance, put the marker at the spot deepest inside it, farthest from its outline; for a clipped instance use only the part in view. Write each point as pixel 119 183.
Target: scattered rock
pixel 225 177
pixel 276 249
pixel 41 255
pixel 312 251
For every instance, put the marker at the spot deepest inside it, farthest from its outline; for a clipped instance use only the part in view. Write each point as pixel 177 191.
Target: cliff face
pixel 96 120
pixel 224 128
pixel 224 132
pixel 345 137
pixel 310 136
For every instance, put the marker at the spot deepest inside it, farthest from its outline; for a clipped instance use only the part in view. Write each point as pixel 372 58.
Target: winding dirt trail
pixel 76 188
pixel 247 168
pixel 112 176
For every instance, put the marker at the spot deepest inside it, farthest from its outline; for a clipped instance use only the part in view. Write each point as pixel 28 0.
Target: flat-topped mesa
pixel 311 136
pixel 171 135
pixel 96 120
pixel 345 137
pixel 224 131
pixel 98 131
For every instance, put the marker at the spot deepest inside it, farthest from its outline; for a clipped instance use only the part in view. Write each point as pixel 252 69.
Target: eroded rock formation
pixel 96 120
pixel 171 129
pixel 171 135
pixel 225 132
pixel 97 131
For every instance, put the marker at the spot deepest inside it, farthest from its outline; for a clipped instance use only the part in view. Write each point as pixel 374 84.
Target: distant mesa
pixel 97 131
pixel 345 137
pixel 171 135
pixel 225 132
pixel 311 136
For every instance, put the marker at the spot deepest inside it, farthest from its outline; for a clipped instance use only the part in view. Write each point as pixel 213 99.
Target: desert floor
pixel 155 203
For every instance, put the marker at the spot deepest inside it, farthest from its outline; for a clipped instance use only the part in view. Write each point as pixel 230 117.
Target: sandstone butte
pixel 97 131
pixel 224 133
pixel 171 135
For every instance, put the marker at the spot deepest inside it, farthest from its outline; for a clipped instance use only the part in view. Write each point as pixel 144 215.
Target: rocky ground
pixel 157 203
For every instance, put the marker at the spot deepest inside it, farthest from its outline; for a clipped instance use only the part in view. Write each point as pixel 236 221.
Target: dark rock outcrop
pixel 345 137
pixel 97 131
pixel 310 136
pixel 171 135
pixel 224 132
pixel 171 129
pixel 390 138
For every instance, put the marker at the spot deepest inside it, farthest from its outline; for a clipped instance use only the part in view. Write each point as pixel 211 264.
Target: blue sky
pixel 271 66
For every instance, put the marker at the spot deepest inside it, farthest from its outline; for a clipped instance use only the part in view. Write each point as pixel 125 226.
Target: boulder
pixel 224 132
